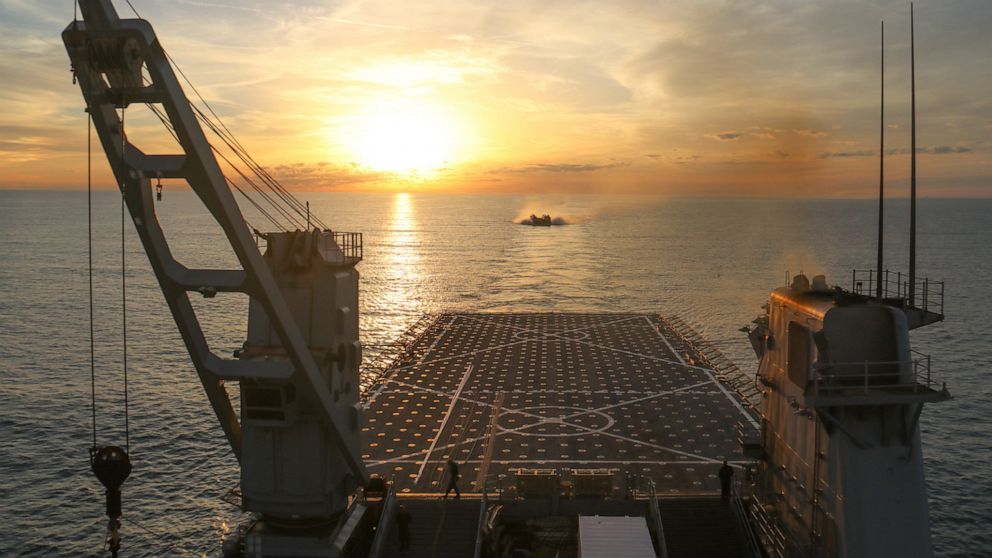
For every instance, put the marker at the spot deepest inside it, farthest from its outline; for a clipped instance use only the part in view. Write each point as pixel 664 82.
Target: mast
pixel 881 171
pixel 912 154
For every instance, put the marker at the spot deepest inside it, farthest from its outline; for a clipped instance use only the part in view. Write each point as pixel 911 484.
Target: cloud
pixel 811 133
pixel 726 136
pixel 564 167
pixel 846 154
pixel 945 149
pixel 932 150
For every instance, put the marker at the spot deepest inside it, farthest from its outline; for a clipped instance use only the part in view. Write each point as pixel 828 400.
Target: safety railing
pixel 386 520
pixel 726 371
pixel 655 509
pixel 344 248
pixel 738 500
pixel 375 369
pixel 769 535
pixel 350 244
pixel 480 533
pixel 929 294
pixel 831 378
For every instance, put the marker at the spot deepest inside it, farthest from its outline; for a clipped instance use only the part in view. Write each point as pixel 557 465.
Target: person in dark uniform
pixel 726 475
pixel 403 521
pixel 453 477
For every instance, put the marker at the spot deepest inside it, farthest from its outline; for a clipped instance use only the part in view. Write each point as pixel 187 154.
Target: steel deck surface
pixel 498 392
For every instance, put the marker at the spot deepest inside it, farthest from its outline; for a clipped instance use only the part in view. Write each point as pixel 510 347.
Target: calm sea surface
pixel 711 262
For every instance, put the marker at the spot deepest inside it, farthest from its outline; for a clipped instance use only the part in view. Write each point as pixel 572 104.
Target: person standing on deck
pixel 453 477
pixel 726 474
pixel 403 521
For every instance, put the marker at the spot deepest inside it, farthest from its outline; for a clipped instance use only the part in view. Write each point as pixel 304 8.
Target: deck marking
pixel 639 399
pixel 586 429
pixel 447 415
pixel 572 461
pixel 548 330
pixel 391 371
pixel 648 357
pixel 619 319
pixel 718 383
pixel 470 353
pixel 734 400
pixel 665 339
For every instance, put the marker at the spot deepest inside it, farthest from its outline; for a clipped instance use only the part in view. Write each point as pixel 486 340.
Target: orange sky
pixel 698 98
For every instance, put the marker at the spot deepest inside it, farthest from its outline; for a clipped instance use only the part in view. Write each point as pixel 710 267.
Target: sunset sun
pixel 404 137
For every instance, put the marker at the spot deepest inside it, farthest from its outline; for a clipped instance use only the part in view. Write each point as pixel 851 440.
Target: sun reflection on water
pixel 402 259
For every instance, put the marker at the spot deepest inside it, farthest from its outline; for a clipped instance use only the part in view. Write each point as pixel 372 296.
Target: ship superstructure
pixel 840 466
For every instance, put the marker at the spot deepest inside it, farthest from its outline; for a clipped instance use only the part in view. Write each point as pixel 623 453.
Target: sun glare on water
pixel 410 137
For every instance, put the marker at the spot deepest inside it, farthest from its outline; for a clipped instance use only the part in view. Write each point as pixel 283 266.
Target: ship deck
pixel 499 392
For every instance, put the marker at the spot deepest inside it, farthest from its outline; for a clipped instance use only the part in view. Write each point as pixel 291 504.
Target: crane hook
pixel 112 467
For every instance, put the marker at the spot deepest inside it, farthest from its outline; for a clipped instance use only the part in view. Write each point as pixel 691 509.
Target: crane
pixel 297 436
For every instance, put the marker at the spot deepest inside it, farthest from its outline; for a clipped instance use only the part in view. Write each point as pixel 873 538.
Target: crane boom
pixel 297 439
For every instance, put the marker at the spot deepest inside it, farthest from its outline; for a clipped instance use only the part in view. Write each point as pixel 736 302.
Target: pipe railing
pixel 771 538
pixel 480 535
pixel 843 377
pixel 655 508
pixel 740 511
pixel 895 285
pixel 386 519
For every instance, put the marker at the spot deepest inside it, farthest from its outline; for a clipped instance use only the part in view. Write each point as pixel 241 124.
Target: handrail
pixel 479 534
pixel 655 508
pixel 772 539
pixel 385 523
pixel 374 371
pixel 827 377
pixel 742 517
pixel 895 285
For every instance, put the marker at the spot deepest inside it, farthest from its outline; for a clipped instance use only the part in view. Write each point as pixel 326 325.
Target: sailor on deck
pixel 403 520
pixel 726 474
pixel 453 477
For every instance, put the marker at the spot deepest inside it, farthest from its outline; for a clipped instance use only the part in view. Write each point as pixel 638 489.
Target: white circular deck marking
pixel 536 415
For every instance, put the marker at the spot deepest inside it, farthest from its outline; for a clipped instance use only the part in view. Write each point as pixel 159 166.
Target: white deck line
pixel 632 401
pixel 447 415
pixel 368 401
pixel 734 400
pixel 665 339
pixel 718 384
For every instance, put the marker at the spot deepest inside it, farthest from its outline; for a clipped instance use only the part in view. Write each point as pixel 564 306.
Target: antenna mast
pixel 881 172
pixel 912 153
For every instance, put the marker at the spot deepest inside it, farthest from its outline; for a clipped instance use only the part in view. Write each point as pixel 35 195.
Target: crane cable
pixel 127 420
pixel 89 231
pixel 224 133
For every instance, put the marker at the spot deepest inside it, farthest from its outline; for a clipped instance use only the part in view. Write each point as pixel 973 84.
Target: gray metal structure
pixel 840 462
pixel 297 439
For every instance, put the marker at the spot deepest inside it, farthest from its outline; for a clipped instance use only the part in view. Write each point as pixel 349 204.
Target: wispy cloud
pixel 726 136
pixel 564 167
pixel 932 150
pixel 811 133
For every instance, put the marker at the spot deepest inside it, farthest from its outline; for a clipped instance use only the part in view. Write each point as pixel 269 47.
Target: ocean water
pixel 712 262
